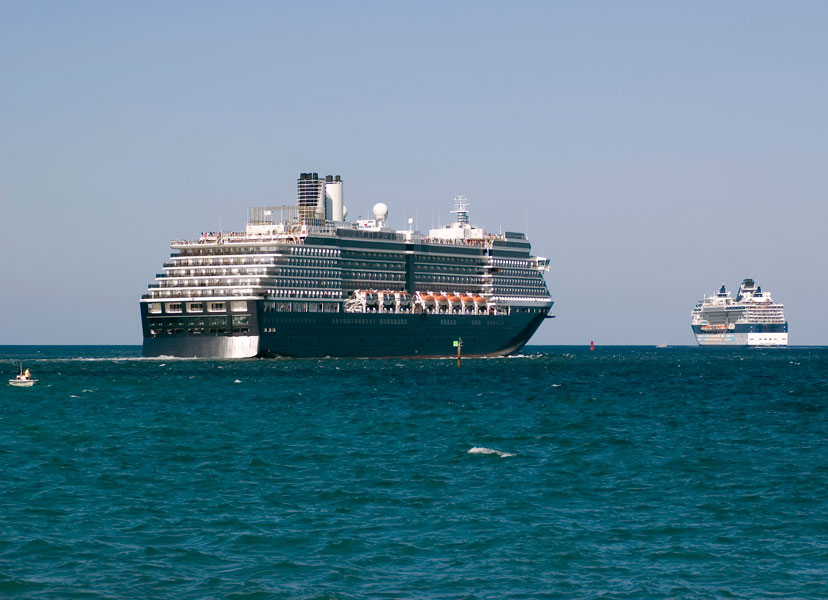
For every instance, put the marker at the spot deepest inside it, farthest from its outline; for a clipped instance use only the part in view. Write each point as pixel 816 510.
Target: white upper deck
pixel 274 225
pixel 751 304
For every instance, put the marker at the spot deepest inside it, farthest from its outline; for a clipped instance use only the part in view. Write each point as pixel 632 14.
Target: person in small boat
pixel 26 374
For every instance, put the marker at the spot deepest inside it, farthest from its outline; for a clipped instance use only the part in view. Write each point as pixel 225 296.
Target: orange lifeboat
pixel 453 299
pixel 427 298
pixel 467 299
pixel 439 298
pixel 479 299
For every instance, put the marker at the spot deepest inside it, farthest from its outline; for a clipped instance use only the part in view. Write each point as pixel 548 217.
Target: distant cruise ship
pixel 302 281
pixel 750 319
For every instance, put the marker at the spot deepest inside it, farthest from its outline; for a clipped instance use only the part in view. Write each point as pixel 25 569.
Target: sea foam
pixel 480 450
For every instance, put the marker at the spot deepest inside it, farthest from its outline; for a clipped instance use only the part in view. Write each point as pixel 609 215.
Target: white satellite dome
pixel 380 211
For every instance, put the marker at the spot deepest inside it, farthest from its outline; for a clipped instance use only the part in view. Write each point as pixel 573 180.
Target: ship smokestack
pixel 310 198
pixel 334 198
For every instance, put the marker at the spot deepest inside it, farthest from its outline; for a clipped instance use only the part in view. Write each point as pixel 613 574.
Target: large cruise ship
pixel 750 319
pixel 302 281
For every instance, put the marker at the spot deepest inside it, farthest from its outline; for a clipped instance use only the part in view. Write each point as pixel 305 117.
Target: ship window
pixel 194 307
pixel 155 307
pixel 216 307
pixel 174 307
pixel 238 305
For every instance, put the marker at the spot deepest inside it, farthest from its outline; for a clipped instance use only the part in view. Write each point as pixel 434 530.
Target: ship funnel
pixel 334 198
pixel 310 197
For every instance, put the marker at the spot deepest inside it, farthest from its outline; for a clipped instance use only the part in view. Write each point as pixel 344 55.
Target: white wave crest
pixel 114 359
pixel 481 450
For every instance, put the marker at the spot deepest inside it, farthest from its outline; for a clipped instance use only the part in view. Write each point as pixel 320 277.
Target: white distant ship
pixel 750 319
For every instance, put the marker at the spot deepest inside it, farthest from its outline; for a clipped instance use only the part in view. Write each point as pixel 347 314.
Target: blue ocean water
pixel 561 473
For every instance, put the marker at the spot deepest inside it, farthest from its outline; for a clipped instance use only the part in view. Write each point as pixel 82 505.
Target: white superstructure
pixel 461 229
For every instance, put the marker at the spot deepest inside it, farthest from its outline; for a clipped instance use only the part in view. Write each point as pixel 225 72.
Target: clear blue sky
pixel 655 149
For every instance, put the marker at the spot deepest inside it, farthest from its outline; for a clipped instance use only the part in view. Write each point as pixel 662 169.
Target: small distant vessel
pixel 750 319
pixel 23 379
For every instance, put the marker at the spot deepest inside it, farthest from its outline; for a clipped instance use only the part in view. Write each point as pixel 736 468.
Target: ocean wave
pixel 481 450
pixel 114 359
pixel 507 357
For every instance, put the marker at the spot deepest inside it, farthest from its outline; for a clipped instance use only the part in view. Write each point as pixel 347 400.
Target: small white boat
pixel 24 379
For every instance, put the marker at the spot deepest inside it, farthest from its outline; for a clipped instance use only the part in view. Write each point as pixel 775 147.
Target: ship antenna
pixel 461 209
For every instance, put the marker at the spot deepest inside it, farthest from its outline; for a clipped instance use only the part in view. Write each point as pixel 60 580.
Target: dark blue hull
pixel 366 335
pixel 340 334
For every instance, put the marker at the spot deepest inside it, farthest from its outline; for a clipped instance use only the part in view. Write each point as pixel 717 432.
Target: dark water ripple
pixel 634 473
